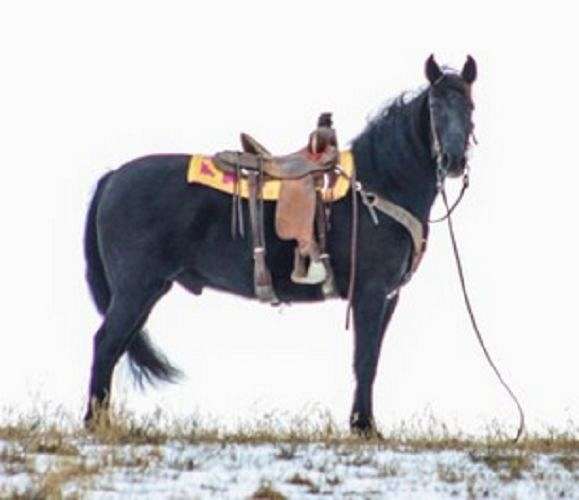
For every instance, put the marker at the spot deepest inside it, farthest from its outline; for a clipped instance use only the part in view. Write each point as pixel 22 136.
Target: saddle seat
pixel 292 166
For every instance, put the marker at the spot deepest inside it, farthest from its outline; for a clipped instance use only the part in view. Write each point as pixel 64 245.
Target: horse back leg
pixel 126 314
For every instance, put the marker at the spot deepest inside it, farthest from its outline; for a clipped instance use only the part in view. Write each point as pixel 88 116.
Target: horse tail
pixel 95 271
pixel 147 364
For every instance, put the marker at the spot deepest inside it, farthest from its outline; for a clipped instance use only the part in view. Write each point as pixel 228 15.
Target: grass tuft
pixel 449 474
pixel 509 466
pixel 267 492
pixel 299 480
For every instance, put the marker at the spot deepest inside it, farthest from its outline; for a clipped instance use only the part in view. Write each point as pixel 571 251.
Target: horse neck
pixel 393 158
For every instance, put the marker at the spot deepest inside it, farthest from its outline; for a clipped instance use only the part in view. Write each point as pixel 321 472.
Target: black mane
pixel 393 154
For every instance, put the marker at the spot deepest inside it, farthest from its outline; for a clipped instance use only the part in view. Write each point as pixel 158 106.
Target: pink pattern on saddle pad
pixel 229 178
pixel 206 170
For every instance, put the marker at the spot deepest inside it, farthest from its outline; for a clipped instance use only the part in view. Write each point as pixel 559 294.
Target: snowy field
pixel 151 459
pixel 232 470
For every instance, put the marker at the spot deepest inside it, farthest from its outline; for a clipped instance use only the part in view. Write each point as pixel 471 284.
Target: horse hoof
pixel 371 434
pixel 99 419
pixel 364 427
pixel 90 423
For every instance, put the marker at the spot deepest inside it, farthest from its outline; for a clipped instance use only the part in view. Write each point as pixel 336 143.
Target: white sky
pixel 86 88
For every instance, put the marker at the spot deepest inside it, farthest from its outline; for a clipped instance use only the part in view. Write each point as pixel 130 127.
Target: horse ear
pixel 432 70
pixel 469 70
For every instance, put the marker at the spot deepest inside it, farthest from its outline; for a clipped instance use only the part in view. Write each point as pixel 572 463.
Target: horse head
pixel 450 105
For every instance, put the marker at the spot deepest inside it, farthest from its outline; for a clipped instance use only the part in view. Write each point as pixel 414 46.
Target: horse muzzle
pixel 453 165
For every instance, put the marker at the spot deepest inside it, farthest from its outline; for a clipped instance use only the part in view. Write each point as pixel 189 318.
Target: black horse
pixel 147 228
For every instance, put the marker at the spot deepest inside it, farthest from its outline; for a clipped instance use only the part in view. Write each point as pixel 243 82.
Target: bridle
pixel 438 155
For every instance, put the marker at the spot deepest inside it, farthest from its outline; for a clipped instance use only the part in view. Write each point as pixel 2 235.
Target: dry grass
pixel 302 480
pixel 448 474
pixel 286 451
pixel 267 492
pixel 389 470
pixel 570 462
pixel 14 460
pixel 509 466
pixel 120 427
pixel 37 434
pixel 40 434
pixel 52 483
pixel 125 441
pixel 56 434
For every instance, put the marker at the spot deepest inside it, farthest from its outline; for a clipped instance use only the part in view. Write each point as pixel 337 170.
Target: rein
pixel 440 178
pixel 473 319
pixel 465 185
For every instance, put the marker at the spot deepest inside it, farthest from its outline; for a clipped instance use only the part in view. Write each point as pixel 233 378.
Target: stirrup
pixel 315 276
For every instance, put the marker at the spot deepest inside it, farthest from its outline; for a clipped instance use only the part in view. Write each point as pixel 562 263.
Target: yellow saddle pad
pixel 203 171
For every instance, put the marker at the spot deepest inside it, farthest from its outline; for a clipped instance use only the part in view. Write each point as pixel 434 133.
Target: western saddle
pixel 299 210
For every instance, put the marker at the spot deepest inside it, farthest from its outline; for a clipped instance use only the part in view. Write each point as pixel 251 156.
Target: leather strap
pixel 262 277
pixel 413 225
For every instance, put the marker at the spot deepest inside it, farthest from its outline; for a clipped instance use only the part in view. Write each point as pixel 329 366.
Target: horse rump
pixel 147 364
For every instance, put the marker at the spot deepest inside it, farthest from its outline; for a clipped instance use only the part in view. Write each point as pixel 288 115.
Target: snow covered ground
pixel 85 468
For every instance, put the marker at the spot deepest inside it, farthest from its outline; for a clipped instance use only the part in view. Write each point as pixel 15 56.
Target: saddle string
pixel 237 226
pixel 473 319
pixel 261 211
pixel 239 202
pixel 234 210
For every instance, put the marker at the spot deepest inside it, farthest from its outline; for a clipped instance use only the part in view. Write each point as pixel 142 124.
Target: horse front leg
pixel 372 313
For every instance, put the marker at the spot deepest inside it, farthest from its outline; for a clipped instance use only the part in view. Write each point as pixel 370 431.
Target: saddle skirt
pixel 203 171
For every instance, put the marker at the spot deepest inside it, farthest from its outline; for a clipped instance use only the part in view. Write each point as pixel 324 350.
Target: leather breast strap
pixel 412 224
